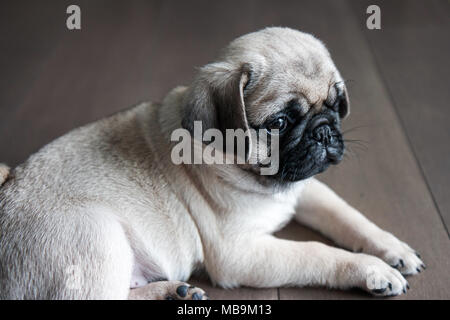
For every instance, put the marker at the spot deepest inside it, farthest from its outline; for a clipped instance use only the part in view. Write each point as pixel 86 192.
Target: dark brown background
pixel 53 80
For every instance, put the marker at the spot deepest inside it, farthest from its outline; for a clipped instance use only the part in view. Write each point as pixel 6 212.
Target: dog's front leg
pixel 322 209
pixel 266 261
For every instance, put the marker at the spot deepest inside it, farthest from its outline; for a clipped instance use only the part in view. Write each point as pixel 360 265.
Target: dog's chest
pixel 266 214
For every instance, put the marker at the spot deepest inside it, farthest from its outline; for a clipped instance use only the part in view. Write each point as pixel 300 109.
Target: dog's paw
pixel 168 290
pixel 394 252
pixel 184 291
pixel 380 279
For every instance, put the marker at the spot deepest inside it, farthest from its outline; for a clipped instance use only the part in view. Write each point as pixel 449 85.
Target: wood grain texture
pixel 24 50
pixel 383 179
pixel 54 80
pixel 412 51
pixel 88 74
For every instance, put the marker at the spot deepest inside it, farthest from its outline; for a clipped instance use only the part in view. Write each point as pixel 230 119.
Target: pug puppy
pixel 104 213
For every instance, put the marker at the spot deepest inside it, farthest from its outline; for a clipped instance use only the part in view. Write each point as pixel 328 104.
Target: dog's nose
pixel 323 134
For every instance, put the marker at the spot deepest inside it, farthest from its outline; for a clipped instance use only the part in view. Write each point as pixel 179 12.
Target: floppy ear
pixel 342 104
pixel 229 101
pixel 344 107
pixel 216 98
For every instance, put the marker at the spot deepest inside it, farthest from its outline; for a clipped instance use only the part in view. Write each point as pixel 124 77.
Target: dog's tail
pixel 4 173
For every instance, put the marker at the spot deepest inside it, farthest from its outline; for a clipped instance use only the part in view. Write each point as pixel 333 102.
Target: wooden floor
pixel 52 80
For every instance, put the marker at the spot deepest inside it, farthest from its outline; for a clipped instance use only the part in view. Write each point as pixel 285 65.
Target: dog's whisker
pixel 355 128
pixel 359 148
pixel 357 142
pixel 351 151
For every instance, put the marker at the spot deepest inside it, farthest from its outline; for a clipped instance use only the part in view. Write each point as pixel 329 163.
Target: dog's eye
pixel 335 105
pixel 279 124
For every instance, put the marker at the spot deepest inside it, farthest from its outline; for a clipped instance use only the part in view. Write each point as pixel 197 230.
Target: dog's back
pixel 54 222
pixel 67 214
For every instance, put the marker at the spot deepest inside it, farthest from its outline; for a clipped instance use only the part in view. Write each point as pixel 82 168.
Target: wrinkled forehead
pixel 309 79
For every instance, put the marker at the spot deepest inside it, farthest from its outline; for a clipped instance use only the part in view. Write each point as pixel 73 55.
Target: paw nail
pixel 424 266
pixel 418 270
pixel 379 290
pixel 404 290
pixel 407 286
pixel 182 291
pixel 418 255
pixel 197 296
pixel 390 286
pixel 402 263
